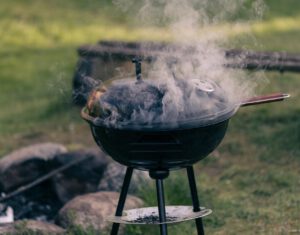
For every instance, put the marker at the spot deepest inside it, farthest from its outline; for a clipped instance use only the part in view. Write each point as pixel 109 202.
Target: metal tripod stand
pixel 159 176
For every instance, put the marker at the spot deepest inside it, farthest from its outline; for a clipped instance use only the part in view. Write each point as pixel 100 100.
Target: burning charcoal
pixel 39 203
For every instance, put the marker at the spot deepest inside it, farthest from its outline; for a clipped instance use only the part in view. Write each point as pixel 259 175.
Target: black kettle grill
pixel 159 149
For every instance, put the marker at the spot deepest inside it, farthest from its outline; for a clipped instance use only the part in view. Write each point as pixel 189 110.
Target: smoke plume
pixel 201 55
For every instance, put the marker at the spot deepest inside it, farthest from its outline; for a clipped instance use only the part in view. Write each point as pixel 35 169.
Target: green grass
pixel 251 182
pixel 288 8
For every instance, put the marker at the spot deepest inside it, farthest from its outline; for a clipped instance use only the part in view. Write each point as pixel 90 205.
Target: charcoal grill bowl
pixel 152 149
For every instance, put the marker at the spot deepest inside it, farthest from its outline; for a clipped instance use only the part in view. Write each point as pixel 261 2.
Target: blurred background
pixel 252 182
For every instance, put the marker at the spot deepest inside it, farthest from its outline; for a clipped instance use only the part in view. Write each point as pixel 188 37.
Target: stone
pixel 113 178
pixel 91 210
pixel 30 227
pixel 81 178
pixel 27 164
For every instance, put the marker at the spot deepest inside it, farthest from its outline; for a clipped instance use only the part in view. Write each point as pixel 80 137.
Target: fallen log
pixel 149 51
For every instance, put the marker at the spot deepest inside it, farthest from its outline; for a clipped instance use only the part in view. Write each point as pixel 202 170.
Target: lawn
pixel 251 182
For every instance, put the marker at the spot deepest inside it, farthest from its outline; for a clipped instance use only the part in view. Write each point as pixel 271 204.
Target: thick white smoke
pixel 201 55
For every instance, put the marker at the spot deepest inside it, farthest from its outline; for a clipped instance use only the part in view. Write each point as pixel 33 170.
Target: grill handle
pixel 275 97
pixel 138 67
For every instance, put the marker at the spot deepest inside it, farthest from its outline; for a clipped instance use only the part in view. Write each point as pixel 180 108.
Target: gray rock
pixel 29 227
pixel 113 178
pixel 25 165
pixel 89 211
pixel 82 178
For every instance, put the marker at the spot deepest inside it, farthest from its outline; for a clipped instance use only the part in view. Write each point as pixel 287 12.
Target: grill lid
pixel 172 102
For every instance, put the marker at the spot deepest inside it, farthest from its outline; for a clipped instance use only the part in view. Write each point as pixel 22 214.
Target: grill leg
pixel 196 204
pixel 122 199
pixel 159 175
pixel 161 206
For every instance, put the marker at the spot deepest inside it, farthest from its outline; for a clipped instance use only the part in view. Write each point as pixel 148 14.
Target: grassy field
pixel 251 182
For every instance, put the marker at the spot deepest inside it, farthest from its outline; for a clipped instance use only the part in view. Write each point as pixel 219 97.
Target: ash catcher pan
pixel 150 215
